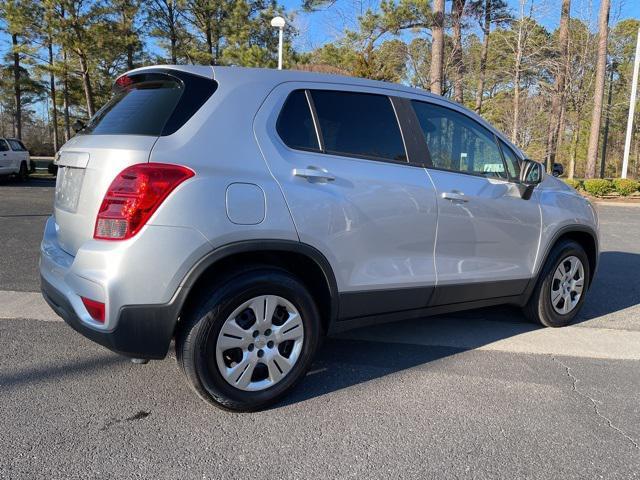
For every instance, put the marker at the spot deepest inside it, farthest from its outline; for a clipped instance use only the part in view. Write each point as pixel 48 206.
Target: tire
pixel 540 306
pixel 203 360
pixel 23 173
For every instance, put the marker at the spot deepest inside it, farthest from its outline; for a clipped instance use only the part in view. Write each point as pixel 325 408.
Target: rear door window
pixel 3 146
pixel 295 123
pixel 151 104
pixel 359 125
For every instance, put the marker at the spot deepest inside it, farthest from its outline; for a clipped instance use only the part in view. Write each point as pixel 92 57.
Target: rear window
pixel 359 124
pixel 151 104
pixel 17 146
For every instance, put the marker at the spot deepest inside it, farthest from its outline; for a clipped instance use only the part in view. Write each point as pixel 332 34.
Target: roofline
pixel 282 76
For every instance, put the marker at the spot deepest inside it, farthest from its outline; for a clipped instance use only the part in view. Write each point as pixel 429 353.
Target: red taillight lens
pixel 95 309
pixel 134 195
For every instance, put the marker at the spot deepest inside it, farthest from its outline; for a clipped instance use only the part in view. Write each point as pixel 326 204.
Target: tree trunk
pixel 65 97
pixel 173 34
pixel 126 30
pixel 574 148
pixel 437 48
pixel 209 37
pixel 559 87
pixel 486 30
pixel 86 83
pixel 596 117
pixel 516 98
pixel 52 87
pixel 637 156
pixel 174 42
pixel 456 54
pixel 561 125
pixel 17 91
pixel 517 74
pixel 130 65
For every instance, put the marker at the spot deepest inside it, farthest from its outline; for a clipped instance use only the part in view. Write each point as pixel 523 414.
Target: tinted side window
pixel 17 146
pixel 458 143
pixel 358 124
pixel 3 146
pixel 295 124
pixel 512 161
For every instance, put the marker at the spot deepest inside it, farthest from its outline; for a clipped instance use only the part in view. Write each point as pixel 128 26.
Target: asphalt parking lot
pixel 480 394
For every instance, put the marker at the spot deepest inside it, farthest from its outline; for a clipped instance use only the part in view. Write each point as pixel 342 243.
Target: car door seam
pixel 435 237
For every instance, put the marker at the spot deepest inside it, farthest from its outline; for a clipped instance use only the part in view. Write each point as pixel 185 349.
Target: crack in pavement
pixel 593 402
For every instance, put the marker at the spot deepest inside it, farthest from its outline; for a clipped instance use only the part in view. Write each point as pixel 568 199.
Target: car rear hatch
pixel 146 104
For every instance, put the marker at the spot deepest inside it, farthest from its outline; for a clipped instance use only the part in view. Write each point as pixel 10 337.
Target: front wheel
pixel 250 340
pixel 561 287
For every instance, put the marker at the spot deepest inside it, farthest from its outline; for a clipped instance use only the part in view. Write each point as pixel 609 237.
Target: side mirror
pixel 531 174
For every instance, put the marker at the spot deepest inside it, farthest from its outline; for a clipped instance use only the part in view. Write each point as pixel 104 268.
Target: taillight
pixel 95 309
pixel 134 195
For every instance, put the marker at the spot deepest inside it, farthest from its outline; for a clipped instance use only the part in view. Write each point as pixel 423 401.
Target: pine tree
pixel 559 87
pixel 437 47
pixel 598 94
pixel 19 16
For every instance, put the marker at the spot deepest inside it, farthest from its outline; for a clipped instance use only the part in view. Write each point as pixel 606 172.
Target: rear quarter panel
pixel 218 143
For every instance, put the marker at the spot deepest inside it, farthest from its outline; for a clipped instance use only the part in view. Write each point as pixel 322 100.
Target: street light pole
pixel 279 23
pixel 632 109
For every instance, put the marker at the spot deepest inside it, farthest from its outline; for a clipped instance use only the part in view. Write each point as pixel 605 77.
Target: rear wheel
pixel 561 288
pixel 250 340
pixel 23 173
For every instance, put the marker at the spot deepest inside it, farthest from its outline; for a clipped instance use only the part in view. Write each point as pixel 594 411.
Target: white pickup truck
pixel 14 158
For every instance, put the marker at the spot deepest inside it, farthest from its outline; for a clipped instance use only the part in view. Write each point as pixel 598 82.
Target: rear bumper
pixel 142 331
pixel 141 294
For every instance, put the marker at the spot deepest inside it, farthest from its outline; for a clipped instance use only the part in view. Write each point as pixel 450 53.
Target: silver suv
pixel 247 213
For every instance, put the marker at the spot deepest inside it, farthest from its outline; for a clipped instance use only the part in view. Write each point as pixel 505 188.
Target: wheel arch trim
pixel 565 230
pixel 257 246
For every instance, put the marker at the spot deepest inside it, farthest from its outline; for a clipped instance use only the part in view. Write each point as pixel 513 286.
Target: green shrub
pixel 573 183
pixel 625 186
pixel 598 186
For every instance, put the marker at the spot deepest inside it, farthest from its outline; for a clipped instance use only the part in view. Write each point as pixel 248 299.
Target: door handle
pixel 314 174
pixel 455 197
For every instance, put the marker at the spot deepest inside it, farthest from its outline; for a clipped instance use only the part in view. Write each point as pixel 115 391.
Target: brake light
pixel 133 196
pixel 95 309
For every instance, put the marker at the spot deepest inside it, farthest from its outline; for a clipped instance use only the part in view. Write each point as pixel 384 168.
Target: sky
pixel 325 25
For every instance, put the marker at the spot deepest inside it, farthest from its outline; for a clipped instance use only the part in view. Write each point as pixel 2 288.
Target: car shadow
pixel 9 182
pixel 363 355
pixel 373 352
pixel 616 286
pixel 38 374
